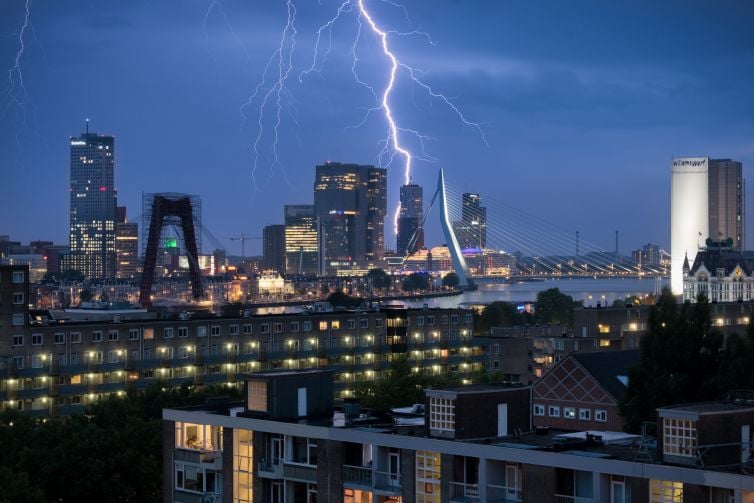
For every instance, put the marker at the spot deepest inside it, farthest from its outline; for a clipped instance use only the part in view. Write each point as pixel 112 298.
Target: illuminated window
pixel 665 491
pixel 335 325
pixel 679 437
pixel 243 466
pixel 569 412
pixel 604 343
pixel 257 397
pixel 427 477
pixel 149 333
pixel 323 325
pixel 442 414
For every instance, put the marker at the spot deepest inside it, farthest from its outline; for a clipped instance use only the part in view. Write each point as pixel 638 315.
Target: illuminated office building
pixel 410 220
pixel 350 204
pixel 92 208
pixel 707 201
pixel 301 244
pixel 126 245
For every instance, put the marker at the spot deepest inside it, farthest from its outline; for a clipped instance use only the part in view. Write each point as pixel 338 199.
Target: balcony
pixel 270 470
pixel 464 493
pixel 502 494
pixel 564 498
pixel 365 478
pixel 300 472
pixel 207 458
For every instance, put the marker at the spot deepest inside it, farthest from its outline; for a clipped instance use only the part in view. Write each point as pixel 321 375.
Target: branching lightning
pixel 392 146
pixel 16 94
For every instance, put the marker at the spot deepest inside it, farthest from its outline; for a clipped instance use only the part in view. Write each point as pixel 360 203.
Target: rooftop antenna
pixel 87 126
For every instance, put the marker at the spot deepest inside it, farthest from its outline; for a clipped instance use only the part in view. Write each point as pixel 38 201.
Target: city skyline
pixel 629 96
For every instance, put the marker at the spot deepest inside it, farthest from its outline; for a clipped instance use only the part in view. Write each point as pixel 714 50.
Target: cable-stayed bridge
pixel 491 241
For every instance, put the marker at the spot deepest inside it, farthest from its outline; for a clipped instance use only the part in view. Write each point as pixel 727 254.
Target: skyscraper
pixel 350 205
pixel 301 244
pixel 707 201
pixel 273 247
pixel 726 201
pixel 410 220
pixel 92 207
pixel 126 245
pixel 471 230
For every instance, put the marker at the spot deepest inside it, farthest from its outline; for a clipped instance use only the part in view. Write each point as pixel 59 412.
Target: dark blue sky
pixel 583 104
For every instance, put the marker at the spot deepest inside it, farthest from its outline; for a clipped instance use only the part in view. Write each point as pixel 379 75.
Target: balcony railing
pixel 357 475
pixel 564 498
pixel 502 494
pixel 464 493
pixel 367 478
pixel 270 470
pixel 304 473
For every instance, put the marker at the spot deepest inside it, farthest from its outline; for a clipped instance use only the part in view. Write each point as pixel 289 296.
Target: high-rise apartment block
pixel 126 245
pixel 301 243
pixel 410 232
pixel 92 208
pixel 707 201
pixel 273 244
pixel 350 205
pixel 471 230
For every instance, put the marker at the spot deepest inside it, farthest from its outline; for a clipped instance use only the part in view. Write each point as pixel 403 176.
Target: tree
pixel 379 279
pixel 415 281
pixel 680 361
pixel 500 314
pixel 340 299
pixel 554 307
pixel 450 280
pixel 85 295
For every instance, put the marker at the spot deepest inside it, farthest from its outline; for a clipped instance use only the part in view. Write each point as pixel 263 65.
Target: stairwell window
pixel 442 414
pixel 679 437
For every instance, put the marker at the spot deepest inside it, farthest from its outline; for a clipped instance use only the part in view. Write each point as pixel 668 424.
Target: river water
pixel 590 291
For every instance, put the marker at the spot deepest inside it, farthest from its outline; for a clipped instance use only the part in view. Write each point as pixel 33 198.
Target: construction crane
pixel 243 238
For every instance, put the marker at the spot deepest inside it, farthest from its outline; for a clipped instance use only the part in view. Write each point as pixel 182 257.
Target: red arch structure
pixel 163 207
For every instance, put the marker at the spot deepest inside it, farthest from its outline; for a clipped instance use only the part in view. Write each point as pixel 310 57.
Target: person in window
pixel 191 442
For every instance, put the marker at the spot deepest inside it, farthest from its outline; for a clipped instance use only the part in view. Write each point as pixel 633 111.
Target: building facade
pixel 410 235
pixel 273 247
pixel 56 367
pixel 92 205
pixel 126 246
pixel 350 204
pixel 471 230
pixel 258 451
pixel 707 201
pixel 720 274
pixel 301 239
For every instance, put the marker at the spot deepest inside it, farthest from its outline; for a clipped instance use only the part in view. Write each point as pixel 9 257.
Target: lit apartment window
pixel 569 412
pixel 322 325
pixel 600 416
pixel 442 414
pixel 18 297
pixel 335 325
pixel 665 491
pixel 257 395
pixel 553 411
pixel 604 343
pixel 427 476
pixel 679 437
pixel 539 410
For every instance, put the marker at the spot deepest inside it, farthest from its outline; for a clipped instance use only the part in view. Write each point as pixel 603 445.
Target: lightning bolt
pixel 392 146
pixel 16 93
pixel 274 94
